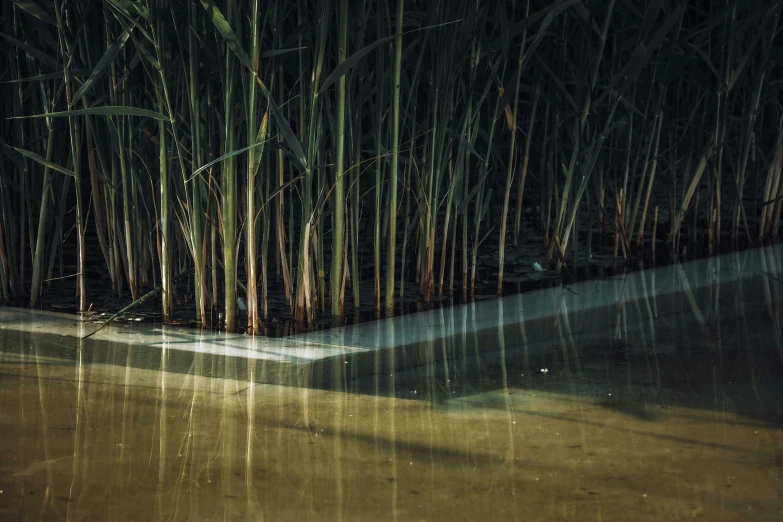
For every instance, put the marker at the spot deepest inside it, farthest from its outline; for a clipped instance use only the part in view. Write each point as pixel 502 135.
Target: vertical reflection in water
pixel 162 435
pixel 43 389
pixel 22 448
pixel 748 346
pixel 682 279
pixel 510 457
pixel 378 375
pixel 620 338
pixel 481 374
pixel 392 424
pixel 619 298
pixel 124 464
pixel 774 304
pixel 744 346
pixel 195 428
pixel 570 352
pixel 523 338
pixel 444 335
pixel 565 333
pixel 639 329
pixel 76 477
pixel 253 509
pixel 338 369
pixel 560 312
pixel 115 372
pixel 463 344
pixel 766 284
pixel 716 335
pixel 229 403
pixel 434 385
pixel 650 302
pixel 716 262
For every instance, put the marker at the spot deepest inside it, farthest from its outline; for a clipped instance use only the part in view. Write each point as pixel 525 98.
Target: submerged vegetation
pixel 230 143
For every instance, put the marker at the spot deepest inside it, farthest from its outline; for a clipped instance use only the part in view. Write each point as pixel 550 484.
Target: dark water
pixel 665 407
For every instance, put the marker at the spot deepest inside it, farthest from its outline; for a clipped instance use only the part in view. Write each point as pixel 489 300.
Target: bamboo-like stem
pixel 446 223
pixel 38 258
pixel 355 213
pixel 686 199
pixel 406 228
pixel 512 158
pixel 254 137
pixel 525 164
pixel 654 240
pixel 75 142
pixel 196 215
pixel 395 151
pixel 165 228
pixel 379 170
pixel 229 188
pixel 653 167
pixel 338 243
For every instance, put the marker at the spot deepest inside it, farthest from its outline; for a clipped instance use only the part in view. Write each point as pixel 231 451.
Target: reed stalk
pixel 395 158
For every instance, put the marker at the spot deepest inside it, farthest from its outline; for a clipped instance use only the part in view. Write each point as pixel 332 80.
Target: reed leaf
pixel 41 160
pixel 36 11
pixel 103 64
pixel 225 30
pixel 101 111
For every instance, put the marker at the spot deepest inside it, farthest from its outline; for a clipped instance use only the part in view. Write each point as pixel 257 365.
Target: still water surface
pixel 673 412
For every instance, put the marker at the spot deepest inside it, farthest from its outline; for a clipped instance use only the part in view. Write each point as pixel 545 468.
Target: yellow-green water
pixel 676 417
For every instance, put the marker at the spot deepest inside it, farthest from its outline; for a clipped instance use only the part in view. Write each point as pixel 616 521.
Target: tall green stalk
pixel 163 165
pixel 253 158
pixel 512 158
pixel 66 51
pixel 40 247
pixel 228 187
pixel 395 151
pixel 338 243
pixel 196 184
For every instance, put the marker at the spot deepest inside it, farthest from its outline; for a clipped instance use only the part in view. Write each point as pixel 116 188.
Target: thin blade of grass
pixel 32 51
pixel 225 30
pixel 100 67
pixel 35 10
pixel 48 76
pixel 39 159
pixel 352 60
pixel 223 157
pixel 111 110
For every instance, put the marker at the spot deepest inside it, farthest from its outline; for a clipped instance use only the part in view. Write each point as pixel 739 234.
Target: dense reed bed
pixel 232 143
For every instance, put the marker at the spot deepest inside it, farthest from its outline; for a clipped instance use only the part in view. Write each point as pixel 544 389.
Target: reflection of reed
pixel 76 475
pixel 162 416
pixel 253 510
pixel 337 375
pixel 650 294
pixel 509 459
pixel 392 439
pixel 773 290
pixel 682 280
pixel 195 426
pixel 229 419
pixel 124 464
pixel 43 388
pixel 181 436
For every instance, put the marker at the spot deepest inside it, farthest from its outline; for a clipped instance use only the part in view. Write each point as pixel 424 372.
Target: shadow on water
pixel 606 390
pixel 718 346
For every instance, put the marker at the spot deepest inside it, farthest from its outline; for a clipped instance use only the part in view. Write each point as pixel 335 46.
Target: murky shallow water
pixel 673 411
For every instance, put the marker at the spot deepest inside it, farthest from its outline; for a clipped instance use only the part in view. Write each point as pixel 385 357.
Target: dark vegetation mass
pixel 213 148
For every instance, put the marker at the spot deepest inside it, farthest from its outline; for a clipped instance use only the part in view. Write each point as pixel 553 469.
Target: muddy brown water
pixel 671 413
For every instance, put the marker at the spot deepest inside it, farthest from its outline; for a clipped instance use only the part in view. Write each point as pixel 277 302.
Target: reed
pixel 336 143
